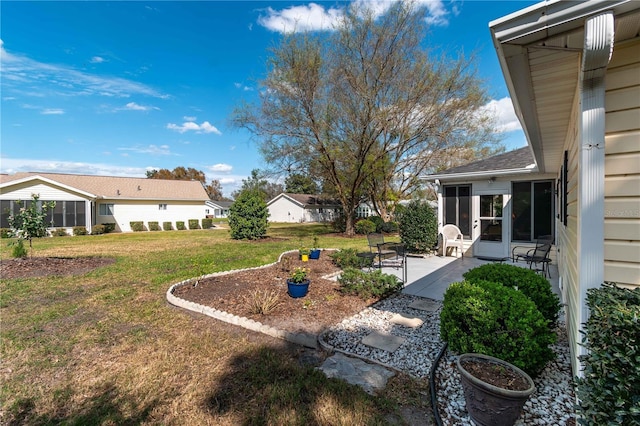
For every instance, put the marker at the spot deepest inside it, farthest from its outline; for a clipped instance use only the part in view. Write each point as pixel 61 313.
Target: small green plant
pixel 98 229
pixel 315 242
pixel 29 222
pixel 534 286
pixel 608 390
pixel 489 318
pixel 348 258
pixel 154 226
pixel 60 232
pixel 302 251
pixel 263 302
pixel 5 233
pixel 299 275
pixel 79 230
pixel 137 226
pixel 365 226
pixel 19 250
pixel 368 284
pixel 194 224
pixel 207 223
pixel 180 225
pixel 308 304
pixel 167 226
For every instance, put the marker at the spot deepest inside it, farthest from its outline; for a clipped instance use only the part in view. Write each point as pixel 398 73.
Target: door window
pixel 491 217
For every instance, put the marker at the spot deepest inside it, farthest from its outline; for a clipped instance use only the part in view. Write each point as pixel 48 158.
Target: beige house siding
pixel 622 166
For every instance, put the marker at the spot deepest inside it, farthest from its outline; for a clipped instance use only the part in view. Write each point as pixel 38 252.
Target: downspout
pixel 598 47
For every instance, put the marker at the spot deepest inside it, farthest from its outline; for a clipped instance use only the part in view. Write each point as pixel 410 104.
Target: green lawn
pixel 106 348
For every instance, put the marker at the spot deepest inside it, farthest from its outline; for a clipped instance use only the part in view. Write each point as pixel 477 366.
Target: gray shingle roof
pixel 514 160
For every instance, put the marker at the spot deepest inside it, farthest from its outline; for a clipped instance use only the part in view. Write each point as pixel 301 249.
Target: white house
pixel 573 73
pixel 217 209
pixel 294 208
pixel 87 200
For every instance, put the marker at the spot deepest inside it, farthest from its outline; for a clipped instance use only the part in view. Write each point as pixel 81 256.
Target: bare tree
pixel 365 106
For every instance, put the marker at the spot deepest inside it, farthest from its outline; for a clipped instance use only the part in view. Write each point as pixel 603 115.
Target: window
pixel 67 214
pixel 106 210
pixel 533 210
pixel 491 207
pixel 162 206
pixel 457 207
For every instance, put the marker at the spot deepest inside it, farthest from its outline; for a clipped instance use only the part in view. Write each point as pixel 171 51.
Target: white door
pixel 490 225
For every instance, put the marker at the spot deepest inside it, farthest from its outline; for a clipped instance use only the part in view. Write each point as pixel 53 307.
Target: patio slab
pixel 384 341
pixel 425 305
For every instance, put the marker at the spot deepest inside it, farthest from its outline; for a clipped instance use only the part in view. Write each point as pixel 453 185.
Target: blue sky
pixel 119 88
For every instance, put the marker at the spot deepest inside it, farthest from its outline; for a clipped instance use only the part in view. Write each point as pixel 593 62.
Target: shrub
pixel 418 227
pixel 60 232
pixel 98 229
pixel 534 286
pixel 167 226
pixel 368 284
pixel 137 226
pixel 207 223
pixel 180 225
pixel 248 216
pixel 263 302
pixel 389 227
pixel 30 221
pixel 489 318
pixel 5 233
pixel 348 258
pixel 154 226
pixel 377 221
pixel 79 230
pixel 109 227
pixel 194 224
pixel 19 250
pixel 608 392
pixel 365 226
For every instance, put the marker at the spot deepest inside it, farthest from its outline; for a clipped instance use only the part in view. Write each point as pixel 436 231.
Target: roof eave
pixel 480 175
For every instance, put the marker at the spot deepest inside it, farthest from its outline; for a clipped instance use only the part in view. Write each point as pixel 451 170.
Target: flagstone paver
pixel 384 341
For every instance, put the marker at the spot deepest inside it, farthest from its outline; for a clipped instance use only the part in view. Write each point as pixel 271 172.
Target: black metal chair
pixel 537 255
pixel 397 261
pixel 389 254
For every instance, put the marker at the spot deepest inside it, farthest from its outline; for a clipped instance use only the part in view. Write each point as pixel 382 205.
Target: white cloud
pixel 506 119
pixel 97 60
pixel 52 111
pixel 132 106
pixel 187 126
pixel 187 118
pixel 149 150
pixel 245 88
pixel 311 17
pixel 14 165
pixel 438 13
pixel 221 168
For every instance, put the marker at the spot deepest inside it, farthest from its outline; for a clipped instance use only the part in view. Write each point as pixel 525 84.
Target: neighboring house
pixel 293 208
pixel 573 73
pixel 217 209
pixel 87 200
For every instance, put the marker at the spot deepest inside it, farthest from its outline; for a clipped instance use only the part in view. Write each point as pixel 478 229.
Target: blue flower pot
pixel 314 254
pixel 298 289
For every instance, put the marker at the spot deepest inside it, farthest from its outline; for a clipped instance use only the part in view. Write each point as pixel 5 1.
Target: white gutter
pixel 482 174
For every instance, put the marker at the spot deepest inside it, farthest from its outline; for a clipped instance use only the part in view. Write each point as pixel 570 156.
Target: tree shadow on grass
pixel 107 407
pixel 267 385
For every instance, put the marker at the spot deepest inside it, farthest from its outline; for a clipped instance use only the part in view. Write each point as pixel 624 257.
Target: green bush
pixel 79 230
pixel 489 318
pixel 368 284
pixel 109 227
pixel 154 226
pixel 348 258
pixel 167 226
pixel 418 227
pixel 180 225
pixel 248 216
pixel 389 227
pixel 19 250
pixel 194 224
pixel 365 226
pixel 98 229
pixel 609 391
pixel 137 226
pixel 60 232
pixel 377 221
pixel 534 286
pixel 207 223
pixel 5 233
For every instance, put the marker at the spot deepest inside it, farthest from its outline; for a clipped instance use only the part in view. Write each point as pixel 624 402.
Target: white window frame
pixel 106 209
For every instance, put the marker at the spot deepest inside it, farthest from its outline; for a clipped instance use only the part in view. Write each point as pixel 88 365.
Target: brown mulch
pixel 234 293
pixel 31 267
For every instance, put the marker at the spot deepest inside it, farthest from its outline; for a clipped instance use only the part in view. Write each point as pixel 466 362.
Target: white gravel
pixel 551 404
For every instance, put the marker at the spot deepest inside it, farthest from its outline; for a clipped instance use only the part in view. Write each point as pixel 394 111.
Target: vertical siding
pixel 622 167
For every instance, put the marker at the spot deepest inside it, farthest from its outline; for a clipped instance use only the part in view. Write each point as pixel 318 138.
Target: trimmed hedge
pixel 80 230
pixel 609 391
pixel 489 318
pixel 109 227
pixel 137 226
pixel 154 226
pixel 60 232
pixel 365 226
pixel 534 286
pixel 207 223
pixel 167 226
pixel 368 284
pixel 98 229
pixel 180 225
pixel 418 227
pixel 194 224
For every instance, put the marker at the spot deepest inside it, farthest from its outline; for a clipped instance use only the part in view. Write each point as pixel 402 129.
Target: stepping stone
pixel 370 377
pixel 383 341
pixel 407 321
pixel 425 305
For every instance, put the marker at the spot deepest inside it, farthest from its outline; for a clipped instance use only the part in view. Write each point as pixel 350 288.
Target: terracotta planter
pixel 298 289
pixel 489 405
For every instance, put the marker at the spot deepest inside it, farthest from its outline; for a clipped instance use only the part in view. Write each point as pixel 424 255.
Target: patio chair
pixel 537 255
pixel 379 248
pixel 397 261
pixel 452 238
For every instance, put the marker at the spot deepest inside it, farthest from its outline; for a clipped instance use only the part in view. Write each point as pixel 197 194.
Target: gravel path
pixel 551 404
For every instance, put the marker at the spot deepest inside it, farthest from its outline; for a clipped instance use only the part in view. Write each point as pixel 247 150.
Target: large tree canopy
pixel 366 108
pixel 214 189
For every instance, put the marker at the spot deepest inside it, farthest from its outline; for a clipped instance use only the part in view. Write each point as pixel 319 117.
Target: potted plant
pixel 494 390
pixel 304 254
pixel 298 283
pixel 315 251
